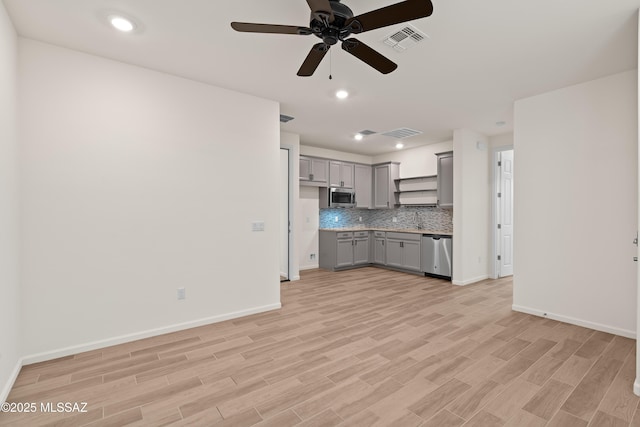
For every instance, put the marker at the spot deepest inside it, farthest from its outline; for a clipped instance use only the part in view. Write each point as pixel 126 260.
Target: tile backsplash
pixel 430 218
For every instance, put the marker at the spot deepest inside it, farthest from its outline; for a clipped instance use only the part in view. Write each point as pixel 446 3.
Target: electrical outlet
pixel 394 219
pixel 182 293
pixel 336 219
pixel 312 256
pixel 360 219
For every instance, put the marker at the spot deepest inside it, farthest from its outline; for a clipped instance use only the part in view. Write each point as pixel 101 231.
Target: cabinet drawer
pixel 344 235
pixel 361 234
pixel 404 236
pixel 379 233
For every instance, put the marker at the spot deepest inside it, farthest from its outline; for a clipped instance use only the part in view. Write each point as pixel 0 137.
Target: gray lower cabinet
pixel 403 251
pixel 379 247
pixel 348 249
pixel 361 248
pixel 343 249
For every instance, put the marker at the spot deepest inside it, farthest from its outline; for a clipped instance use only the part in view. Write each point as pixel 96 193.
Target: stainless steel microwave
pixel 337 198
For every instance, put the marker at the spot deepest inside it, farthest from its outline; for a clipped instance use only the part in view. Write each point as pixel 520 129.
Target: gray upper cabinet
pixel 384 187
pixel 445 179
pixel 314 172
pixel 341 174
pixel 363 186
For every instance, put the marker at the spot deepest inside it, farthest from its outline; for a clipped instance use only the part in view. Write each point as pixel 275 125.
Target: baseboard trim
pixel 12 380
pixel 309 267
pixel 578 322
pixel 470 281
pixel 94 345
pixel 636 387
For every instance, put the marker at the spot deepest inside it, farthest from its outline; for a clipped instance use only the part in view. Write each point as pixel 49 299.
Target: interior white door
pixel 284 214
pixel 505 214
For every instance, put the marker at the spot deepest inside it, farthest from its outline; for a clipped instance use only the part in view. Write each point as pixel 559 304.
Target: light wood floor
pixel 359 348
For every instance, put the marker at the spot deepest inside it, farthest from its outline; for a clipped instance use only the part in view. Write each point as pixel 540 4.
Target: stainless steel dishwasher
pixel 436 255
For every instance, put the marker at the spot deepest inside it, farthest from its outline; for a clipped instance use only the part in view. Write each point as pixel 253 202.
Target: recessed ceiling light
pixel 358 137
pixel 342 94
pixel 121 24
pixel 399 145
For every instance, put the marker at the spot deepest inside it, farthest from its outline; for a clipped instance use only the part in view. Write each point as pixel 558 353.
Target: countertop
pixel 395 230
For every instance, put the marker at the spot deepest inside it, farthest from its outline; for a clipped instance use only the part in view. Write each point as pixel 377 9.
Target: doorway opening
pixel 503 212
pixel 285 220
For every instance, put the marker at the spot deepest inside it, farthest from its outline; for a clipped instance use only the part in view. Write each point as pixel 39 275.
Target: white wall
pixel 9 261
pixel 308 221
pixel 135 183
pixel 576 204
pixel 502 140
pixel 419 161
pixel 291 141
pixel 471 201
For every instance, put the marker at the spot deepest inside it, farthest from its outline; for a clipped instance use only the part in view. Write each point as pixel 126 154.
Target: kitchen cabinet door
pixel 340 174
pixel 344 253
pixel 313 172
pixel 362 185
pixel 411 255
pixel 394 253
pixel 346 175
pixel 379 251
pixel 445 180
pixel 361 251
pixel 384 176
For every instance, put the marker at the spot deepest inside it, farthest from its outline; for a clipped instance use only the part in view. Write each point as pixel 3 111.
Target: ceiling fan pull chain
pixel 330 64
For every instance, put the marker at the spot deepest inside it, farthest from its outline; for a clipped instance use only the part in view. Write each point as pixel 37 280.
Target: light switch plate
pixel 257 226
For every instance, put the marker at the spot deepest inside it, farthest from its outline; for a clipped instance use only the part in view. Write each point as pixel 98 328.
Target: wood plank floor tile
pixel 585 398
pixel 564 419
pixel 366 347
pixel 542 370
pixel 547 401
pixel 620 401
pixel 484 419
pixel 600 419
pixel 474 399
pixel 525 419
pixel 514 397
pixel 573 370
pixel 511 348
pixel 439 398
pixel 283 419
pixel 444 418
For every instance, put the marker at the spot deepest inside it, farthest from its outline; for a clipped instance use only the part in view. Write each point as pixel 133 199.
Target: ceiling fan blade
pixel 369 56
pixel 321 8
pixel 318 51
pixel 247 27
pixel 396 13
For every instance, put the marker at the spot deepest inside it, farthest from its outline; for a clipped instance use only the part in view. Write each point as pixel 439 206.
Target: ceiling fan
pixel 333 21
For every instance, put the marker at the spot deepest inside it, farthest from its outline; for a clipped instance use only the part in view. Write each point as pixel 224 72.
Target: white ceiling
pixel 480 58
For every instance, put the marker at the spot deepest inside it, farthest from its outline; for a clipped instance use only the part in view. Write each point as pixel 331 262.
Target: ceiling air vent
pixel 366 132
pixel 405 38
pixel 285 119
pixel 402 133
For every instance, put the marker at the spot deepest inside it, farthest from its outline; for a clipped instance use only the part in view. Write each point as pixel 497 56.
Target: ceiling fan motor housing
pixel 332 32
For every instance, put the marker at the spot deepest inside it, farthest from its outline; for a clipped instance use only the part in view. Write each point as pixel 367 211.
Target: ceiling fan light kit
pixel 333 22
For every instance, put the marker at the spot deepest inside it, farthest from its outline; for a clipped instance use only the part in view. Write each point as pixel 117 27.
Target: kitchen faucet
pixel 416 220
